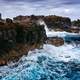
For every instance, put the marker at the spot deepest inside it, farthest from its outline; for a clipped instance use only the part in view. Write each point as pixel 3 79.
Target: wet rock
pixel 74 29
pixel 2 62
pixel 17 39
pixel 55 41
pixel 8 20
pixel 57 22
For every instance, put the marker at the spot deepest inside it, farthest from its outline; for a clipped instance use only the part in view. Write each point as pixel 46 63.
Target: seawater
pixel 48 63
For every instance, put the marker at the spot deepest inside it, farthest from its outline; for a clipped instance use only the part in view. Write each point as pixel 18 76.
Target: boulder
pixel 57 41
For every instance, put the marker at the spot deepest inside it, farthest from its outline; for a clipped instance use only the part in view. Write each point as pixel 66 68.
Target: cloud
pixel 70 2
pixel 23 0
pixel 69 8
pixel 61 1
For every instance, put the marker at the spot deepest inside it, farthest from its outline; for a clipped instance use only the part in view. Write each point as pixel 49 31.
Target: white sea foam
pixel 64 53
pixel 41 64
pixel 32 66
pixel 53 33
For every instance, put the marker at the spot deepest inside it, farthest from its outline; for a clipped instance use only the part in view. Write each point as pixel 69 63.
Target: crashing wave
pixel 49 63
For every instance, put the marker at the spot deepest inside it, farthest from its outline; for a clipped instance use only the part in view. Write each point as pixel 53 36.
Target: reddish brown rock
pixel 55 41
pixel 17 38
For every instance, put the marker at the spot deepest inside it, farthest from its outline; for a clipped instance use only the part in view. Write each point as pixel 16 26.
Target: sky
pixel 67 8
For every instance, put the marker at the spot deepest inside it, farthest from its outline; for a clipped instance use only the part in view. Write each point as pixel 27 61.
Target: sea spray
pixel 49 63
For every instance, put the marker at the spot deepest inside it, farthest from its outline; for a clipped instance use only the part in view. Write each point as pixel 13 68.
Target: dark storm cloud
pixel 62 1
pixel 23 0
pixel 70 2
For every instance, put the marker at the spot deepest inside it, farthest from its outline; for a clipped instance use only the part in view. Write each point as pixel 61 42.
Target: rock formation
pixel 57 22
pixel 53 22
pixel 22 34
pixel 56 41
pixel 17 38
pixel 0 16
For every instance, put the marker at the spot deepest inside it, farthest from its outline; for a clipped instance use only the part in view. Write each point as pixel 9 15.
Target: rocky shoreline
pixel 23 33
pixel 53 22
pixel 17 39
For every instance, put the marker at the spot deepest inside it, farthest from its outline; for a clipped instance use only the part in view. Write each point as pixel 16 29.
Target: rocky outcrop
pixel 76 23
pixel 57 22
pixel 74 29
pixel 56 41
pixel 53 22
pixel 17 38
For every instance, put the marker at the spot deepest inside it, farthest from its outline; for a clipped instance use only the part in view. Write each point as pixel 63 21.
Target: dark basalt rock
pixel 9 20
